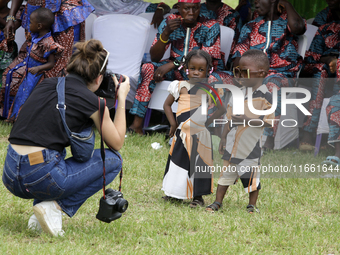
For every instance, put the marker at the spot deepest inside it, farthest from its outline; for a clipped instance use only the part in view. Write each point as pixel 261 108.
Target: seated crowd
pixel 263 58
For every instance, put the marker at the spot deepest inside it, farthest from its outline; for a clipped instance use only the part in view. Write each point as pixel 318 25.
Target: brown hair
pixel 87 59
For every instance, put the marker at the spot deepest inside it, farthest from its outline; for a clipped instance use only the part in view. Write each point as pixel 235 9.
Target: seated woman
pixel 35 165
pixel 274 32
pixel 173 30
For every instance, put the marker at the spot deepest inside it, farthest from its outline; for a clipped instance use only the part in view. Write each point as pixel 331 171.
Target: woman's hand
pixel 124 88
pixel 9 30
pixel 162 70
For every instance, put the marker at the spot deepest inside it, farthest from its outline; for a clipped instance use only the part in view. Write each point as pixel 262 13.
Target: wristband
pixel 177 63
pixel 160 38
pixel 160 8
pixel 9 17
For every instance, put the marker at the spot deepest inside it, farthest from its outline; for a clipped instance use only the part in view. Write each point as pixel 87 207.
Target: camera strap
pixel 119 82
pixel 102 106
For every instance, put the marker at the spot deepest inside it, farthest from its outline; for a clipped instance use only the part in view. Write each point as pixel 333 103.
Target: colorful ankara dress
pixel 282 51
pixel 333 112
pixel 324 17
pixel 68 27
pixel 186 173
pixel 225 16
pixel 325 41
pixel 19 82
pixel 204 36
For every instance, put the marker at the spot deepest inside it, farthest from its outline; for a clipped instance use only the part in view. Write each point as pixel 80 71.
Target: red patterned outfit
pixel 204 36
pixel 282 51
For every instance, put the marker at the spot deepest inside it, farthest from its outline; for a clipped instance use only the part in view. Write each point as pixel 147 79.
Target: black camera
pixel 112 207
pixel 107 88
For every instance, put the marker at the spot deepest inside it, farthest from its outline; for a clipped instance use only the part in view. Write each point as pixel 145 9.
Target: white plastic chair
pixel 302 42
pixel 152 35
pixel 125 37
pixel 310 33
pixel 227 37
pixel 310 21
pixel 88 26
pixel 20 37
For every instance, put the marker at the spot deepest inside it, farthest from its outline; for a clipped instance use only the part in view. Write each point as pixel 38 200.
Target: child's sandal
pixel 252 209
pixel 214 207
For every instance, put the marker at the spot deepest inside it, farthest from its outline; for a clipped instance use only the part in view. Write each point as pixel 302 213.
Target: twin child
pixel 25 72
pixel 240 144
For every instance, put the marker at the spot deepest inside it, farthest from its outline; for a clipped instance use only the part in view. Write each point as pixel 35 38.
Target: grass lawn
pixel 298 216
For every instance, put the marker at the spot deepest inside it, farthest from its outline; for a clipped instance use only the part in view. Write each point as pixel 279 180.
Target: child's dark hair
pixel 87 59
pixel 258 57
pixel 44 16
pixel 201 54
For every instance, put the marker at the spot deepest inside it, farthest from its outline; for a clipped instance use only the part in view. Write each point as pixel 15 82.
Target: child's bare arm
pixel 223 140
pixel 217 114
pixel 47 66
pixel 168 112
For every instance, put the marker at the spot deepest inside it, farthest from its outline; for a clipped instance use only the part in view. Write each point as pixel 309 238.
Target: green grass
pixel 298 216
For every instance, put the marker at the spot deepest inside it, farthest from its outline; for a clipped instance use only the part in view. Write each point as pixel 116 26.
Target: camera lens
pixel 122 205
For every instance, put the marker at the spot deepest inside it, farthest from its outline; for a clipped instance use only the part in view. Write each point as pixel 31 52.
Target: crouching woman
pixel 35 166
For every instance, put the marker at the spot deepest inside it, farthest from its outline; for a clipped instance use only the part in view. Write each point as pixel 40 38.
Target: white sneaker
pixel 49 217
pixel 34 224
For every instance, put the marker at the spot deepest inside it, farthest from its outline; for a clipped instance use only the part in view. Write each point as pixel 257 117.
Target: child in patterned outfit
pixel 240 143
pixel 191 146
pixel 275 31
pixel 25 74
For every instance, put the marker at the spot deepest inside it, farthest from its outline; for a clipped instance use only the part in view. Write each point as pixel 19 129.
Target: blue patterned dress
pixel 19 77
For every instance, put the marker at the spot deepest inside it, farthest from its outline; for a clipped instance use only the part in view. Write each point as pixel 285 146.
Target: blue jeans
pixel 68 182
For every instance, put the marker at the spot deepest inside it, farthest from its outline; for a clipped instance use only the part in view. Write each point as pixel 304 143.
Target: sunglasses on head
pixel 243 73
pixel 105 61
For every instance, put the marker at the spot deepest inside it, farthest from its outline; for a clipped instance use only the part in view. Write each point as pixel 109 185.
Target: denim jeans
pixel 69 182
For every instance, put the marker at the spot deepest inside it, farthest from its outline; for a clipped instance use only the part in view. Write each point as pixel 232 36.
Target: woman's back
pixel 39 122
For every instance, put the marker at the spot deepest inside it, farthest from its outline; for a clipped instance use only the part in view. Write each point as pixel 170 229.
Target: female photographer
pixel 35 166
